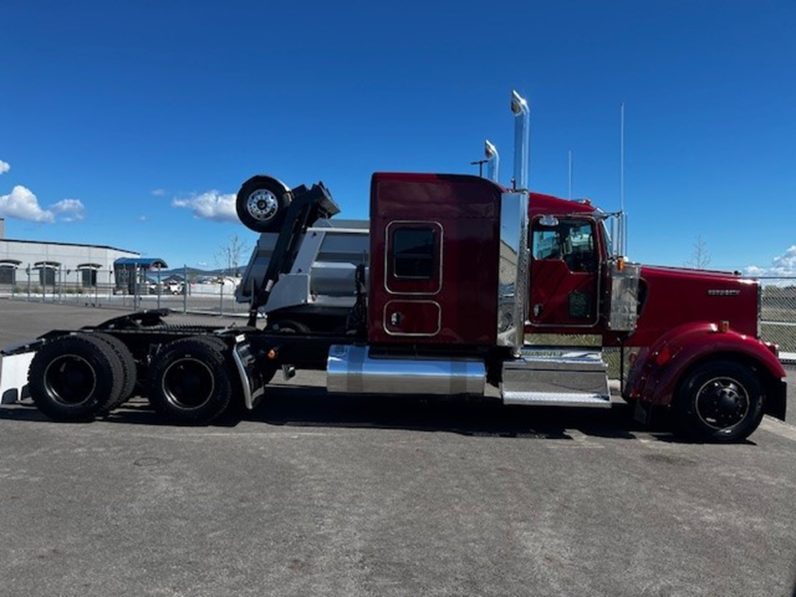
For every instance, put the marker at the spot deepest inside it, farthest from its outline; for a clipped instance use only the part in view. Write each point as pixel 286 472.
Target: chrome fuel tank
pixel 350 369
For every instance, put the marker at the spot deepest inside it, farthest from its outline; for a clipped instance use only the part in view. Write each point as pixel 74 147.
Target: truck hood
pixel 671 296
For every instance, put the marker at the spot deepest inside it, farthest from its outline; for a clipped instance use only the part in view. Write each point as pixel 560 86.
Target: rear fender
pixel 657 371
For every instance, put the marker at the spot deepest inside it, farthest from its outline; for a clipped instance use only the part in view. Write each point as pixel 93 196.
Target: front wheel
pixel 719 401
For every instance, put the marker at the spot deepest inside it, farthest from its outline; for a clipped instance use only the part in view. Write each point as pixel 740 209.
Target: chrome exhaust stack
pixel 522 127
pixel 492 160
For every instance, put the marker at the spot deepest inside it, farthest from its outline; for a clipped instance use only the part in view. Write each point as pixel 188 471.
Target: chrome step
pixel 556 376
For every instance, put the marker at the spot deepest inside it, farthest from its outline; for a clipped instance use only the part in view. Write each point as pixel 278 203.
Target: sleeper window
pixel 413 253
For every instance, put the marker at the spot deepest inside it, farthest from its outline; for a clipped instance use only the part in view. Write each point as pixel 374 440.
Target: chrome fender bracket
pixel 251 380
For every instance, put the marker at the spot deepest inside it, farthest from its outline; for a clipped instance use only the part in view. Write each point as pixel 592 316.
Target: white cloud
pixel 69 210
pixel 158 192
pixel 782 265
pixel 22 203
pixel 4 167
pixel 211 205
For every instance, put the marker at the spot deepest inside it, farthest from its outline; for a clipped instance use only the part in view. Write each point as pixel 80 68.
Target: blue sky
pixel 148 111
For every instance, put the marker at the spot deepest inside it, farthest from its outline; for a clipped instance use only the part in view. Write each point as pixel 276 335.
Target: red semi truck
pixel 461 270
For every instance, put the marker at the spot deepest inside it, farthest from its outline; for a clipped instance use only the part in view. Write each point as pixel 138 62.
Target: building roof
pixel 147 262
pixel 48 242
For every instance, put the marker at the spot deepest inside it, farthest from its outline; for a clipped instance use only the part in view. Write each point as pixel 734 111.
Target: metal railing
pixel 106 288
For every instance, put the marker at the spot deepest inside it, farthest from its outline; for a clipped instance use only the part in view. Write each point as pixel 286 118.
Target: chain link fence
pixel 135 289
pixel 778 311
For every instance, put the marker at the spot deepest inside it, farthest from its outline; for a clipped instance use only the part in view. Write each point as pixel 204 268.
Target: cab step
pixel 556 376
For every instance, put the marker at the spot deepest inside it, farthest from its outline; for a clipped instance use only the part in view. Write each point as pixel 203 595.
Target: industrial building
pixel 47 264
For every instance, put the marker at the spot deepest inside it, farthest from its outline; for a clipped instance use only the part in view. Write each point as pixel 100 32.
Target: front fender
pixel 655 374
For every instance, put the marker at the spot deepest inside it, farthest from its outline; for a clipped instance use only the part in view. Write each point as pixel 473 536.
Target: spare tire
pixel 261 203
pixel 75 378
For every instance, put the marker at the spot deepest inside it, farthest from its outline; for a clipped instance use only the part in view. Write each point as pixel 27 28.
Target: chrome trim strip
pixel 387 245
pixel 513 271
pixel 424 334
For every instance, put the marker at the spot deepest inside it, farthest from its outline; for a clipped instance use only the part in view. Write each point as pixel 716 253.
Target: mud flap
pixel 642 413
pixel 14 376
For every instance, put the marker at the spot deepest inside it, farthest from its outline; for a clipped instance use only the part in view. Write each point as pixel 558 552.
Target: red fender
pixel 658 369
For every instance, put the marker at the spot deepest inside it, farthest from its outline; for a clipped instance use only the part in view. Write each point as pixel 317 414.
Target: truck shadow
pixel 311 406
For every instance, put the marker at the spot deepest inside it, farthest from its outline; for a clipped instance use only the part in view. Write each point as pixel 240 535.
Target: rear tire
pixel 129 367
pixel 190 381
pixel 75 378
pixel 261 203
pixel 719 401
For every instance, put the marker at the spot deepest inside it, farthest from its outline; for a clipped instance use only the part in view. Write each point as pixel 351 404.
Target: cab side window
pixel 570 240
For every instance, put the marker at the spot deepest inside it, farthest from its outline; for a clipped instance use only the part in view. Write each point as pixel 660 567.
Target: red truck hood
pixel 675 296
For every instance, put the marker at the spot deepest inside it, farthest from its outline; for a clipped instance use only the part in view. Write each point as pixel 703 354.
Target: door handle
pixel 537 309
pixel 395 319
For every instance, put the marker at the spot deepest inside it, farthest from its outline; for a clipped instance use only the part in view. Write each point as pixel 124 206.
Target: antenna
pixel 622 233
pixel 569 177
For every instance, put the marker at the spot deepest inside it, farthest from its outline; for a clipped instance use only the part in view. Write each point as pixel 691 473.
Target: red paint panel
pixel 553 286
pixel 673 297
pixel 467 211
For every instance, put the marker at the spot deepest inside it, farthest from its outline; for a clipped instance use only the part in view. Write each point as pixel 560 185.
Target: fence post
pixel 159 287
pixel 27 271
pixel 185 288
pixel 221 298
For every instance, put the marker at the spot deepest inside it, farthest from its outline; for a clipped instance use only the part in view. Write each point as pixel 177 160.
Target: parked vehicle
pixel 458 270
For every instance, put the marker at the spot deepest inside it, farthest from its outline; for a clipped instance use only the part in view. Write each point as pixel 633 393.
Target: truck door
pixel 564 272
pixel 413 278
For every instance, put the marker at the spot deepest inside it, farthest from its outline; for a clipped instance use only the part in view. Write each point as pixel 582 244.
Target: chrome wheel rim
pixel 188 383
pixel 70 380
pixel 722 402
pixel 262 205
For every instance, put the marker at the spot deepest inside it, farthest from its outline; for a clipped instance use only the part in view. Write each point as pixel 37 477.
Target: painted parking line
pixel 778 427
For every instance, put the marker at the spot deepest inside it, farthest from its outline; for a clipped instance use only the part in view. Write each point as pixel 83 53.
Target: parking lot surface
pixel 318 495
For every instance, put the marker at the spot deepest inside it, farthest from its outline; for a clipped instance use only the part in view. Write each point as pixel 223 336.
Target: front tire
pixel 190 382
pixel 75 378
pixel 261 203
pixel 719 401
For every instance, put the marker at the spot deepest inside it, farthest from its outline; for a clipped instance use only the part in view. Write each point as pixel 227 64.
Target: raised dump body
pixel 319 287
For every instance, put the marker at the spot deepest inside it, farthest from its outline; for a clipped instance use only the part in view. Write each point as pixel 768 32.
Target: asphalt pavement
pixel 319 495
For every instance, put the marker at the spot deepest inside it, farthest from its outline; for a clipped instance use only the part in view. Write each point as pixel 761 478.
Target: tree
pixel 230 254
pixel 700 256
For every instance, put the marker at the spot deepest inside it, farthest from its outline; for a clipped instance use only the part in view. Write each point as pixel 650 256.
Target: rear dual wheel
pixel 190 382
pixel 80 376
